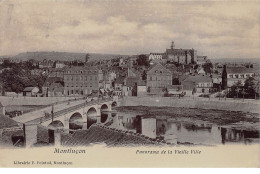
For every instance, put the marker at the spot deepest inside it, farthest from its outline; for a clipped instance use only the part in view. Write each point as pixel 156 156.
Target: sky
pixel 215 29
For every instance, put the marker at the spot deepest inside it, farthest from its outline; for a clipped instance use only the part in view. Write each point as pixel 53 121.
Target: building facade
pixel 158 56
pixel 82 80
pixel 182 56
pixel 197 84
pixel 159 77
pixel 236 74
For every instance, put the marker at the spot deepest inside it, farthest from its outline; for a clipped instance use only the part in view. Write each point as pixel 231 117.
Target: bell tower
pixel 172 45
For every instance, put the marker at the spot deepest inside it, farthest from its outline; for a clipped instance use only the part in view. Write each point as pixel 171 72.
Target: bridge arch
pixel 114 104
pixel 91 116
pixel 75 121
pixel 104 107
pixel 56 124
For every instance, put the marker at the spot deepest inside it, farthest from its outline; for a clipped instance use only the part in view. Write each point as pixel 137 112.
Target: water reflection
pixel 173 131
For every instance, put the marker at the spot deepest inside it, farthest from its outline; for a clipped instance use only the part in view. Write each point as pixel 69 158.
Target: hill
pixel 64 56
pixel 236 60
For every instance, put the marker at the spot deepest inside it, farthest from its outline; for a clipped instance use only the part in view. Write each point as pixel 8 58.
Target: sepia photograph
pixel 115 83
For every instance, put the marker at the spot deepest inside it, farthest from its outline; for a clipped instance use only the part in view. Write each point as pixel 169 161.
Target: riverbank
pixel 252 106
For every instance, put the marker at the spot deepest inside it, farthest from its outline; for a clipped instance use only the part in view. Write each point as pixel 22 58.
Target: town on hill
pixel 84 96
pixel 177 71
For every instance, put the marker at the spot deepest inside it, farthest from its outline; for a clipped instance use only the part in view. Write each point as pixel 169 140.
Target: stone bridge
pixel 68 116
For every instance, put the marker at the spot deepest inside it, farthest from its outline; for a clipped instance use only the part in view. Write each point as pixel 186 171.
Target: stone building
pixel 82 80
pixel 158 77
pixel 182 56
pixel 197 84
pixel 235 74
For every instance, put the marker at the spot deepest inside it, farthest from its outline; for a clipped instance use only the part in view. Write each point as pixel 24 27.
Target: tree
pixel 144 75
pixel 208 67
pixel 142 60
pixel 251 88
pixel 235 90
pixel 224 78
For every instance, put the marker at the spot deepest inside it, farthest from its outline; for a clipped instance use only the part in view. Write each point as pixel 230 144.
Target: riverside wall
pixel 32 100
pixel 228 105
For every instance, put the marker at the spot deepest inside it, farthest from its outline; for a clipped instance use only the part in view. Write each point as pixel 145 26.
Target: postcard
pixel 148 83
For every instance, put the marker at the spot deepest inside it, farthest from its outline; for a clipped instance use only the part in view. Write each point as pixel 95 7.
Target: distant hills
pixel 63 56
pixel 68 56
pixel 236 60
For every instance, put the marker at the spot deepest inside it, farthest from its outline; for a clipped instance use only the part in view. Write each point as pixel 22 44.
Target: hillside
pixel 64 56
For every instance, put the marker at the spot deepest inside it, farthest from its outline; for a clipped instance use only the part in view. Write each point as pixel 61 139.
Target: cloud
pixel 216 29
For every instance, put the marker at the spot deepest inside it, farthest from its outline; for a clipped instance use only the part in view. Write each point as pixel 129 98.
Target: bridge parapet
pixel 48 116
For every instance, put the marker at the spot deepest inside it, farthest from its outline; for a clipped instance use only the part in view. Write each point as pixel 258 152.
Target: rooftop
pixel 198 79
pixel 110 136
pixel 242 70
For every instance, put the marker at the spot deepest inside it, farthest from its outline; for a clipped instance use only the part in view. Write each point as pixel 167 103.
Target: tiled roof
pixel 242 70
pixel 29 89
pixel 110 136
pixel 198 79
pixel 130 81
pixel 159 66
pixel 141 83
pixel 7 122
pixel 120 80
pixel 57 87
pixel 51 80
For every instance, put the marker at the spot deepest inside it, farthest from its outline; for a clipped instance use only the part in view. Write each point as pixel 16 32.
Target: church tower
pixel 172 45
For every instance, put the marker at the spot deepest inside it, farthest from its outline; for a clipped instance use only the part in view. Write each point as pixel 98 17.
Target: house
pixel 82 80
pixel 201 60
pixel 119 82
pixel 49 81
pixel 141 88
pixel 197 84
pixel 133 73
pixel 157 57
pixel 30 91
pixel 131 85
pixel 39 72
pixel 158 77
pixel 200 71
pixel 175 89
pixel 46 64
pixel 59 64
pixel 236 74
pixel 217 79
pixel 56 89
